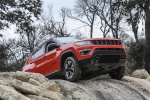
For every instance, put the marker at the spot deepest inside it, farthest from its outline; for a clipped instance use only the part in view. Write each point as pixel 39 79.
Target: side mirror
pixel 52 46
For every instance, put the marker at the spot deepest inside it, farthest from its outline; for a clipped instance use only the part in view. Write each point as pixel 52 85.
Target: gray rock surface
pixel 35 97
pixel 9 93
pixel 26 86
pixel 29 86
pixel 105 88
pixel 34 82
pixel 51 85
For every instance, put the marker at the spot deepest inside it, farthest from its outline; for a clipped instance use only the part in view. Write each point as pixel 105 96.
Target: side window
pixel 38 52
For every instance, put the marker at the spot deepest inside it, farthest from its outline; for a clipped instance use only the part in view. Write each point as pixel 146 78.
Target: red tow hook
pixel 123 57
pixel 97 57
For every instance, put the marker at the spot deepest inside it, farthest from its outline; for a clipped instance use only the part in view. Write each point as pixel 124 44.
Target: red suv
pixel 73 59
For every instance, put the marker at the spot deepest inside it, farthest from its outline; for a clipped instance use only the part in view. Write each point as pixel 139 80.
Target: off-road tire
pixel 71 66
pixel 117 73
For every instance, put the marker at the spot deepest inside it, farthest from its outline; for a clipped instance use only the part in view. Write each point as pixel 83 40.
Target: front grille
pixel 109 59
pixel 107 42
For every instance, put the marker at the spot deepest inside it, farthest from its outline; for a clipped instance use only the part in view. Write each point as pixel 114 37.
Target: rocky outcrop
pixel 28 86
pixel 141 73
pixel 31 86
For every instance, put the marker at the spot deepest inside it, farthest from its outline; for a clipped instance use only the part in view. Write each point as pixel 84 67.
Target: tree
pixel 79 35
pixel 85 12
pixel 19 12
pixel 3 55
pixel 142 6
pixel 134 20
pixel 110 13
pixel 55 28
pixel 7 56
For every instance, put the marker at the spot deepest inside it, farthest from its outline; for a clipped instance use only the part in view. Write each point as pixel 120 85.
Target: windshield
pixel 65 40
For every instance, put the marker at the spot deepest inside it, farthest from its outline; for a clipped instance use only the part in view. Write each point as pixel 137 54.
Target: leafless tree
pixel 104 28
pixel 55 28
pixel 111 16
pixel 79 35
pixel 85 12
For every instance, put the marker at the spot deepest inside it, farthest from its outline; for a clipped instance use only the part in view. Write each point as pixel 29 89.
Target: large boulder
pixel 28 86
pixel 141 73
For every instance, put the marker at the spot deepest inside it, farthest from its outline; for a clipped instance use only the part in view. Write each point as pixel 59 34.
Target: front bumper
pixel 105 57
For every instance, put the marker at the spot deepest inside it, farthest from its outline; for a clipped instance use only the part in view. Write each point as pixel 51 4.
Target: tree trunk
pixel 91 28
pixel 135 30
pixel 147 35
pixel 91 32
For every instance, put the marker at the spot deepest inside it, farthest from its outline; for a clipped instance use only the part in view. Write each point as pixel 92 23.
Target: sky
pixel 57 4
pixel 72 25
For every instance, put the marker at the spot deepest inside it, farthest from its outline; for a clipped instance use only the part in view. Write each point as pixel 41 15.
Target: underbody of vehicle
pixel 76 59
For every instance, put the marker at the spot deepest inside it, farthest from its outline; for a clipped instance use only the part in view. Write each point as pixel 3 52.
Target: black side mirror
pixel 52 46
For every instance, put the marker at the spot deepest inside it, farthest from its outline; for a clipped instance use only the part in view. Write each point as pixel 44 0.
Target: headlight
pixel 83 43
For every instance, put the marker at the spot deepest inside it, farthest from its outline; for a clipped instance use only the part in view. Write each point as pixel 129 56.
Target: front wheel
pixel 71 69
pixel 117 73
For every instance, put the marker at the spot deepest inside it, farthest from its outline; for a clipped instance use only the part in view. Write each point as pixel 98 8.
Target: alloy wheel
pixel 69 69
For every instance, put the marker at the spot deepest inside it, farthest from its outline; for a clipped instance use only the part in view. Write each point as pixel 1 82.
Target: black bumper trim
pixel 107 57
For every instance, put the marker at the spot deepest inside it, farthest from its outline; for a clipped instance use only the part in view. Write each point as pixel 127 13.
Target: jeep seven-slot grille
pixel 107 42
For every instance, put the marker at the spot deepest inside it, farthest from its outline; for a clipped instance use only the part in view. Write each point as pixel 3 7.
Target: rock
pixel 25 76
pixel 52 86
pixel 28 86
pixel 75 91
pixel 9 93
pixel 34 82
pixel 6 75
pixel 148 78
pixel 25 87
pixel 34 97
pixel 6 82
pixel 35 90
pixel 51 95
pixel 143 74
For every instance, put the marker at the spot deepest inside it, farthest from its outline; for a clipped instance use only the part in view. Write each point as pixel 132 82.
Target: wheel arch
pixel 64 56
